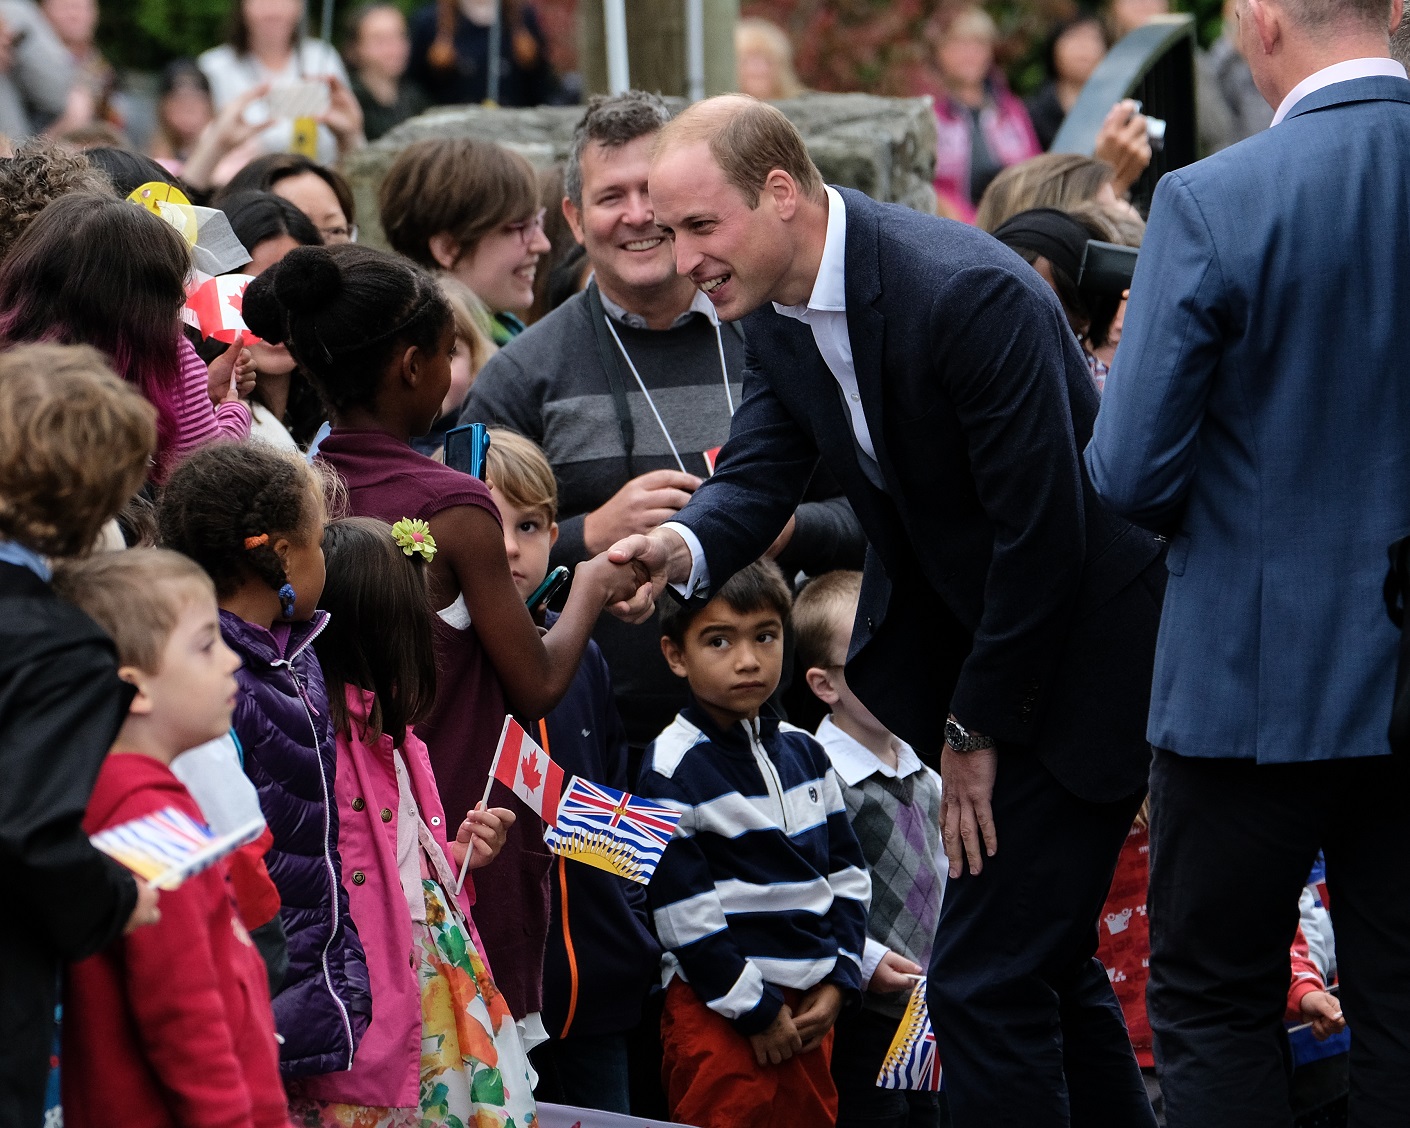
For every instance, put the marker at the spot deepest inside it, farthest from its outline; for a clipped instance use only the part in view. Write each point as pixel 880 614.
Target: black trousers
pixel 1232 843
pixel 1029 1030
pixel 859 1048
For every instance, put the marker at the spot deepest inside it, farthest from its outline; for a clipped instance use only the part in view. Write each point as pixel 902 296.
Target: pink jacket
pixel 386 1069
pixel 199 421
pixel 1007 128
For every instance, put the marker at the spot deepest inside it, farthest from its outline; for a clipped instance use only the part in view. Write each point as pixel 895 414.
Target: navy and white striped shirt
pixel 764 885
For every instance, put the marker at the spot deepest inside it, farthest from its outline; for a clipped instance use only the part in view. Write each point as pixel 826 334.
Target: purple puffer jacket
pixel 281 718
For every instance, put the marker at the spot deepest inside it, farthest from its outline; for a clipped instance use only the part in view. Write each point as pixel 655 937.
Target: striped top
pixel 199 421
pixel 763 886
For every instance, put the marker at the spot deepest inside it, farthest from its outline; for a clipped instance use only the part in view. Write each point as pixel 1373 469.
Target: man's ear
pixel 445 249
pixel 783 190
pixel 820 682
pixel 675 658
pixel 573 214
pixel 1267 22
pixel 141 704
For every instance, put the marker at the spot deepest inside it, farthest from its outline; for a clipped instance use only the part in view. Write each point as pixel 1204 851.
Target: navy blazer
pixel 1259 410
pixel 996 585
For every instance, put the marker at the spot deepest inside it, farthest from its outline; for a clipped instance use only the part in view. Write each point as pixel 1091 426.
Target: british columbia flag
pixel 913 1062
pixel 611 830
pixel 168 846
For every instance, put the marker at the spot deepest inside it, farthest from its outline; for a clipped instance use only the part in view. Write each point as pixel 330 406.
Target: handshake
pixel 632 574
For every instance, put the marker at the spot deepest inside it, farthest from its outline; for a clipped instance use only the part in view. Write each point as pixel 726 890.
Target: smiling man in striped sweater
pixel 761 898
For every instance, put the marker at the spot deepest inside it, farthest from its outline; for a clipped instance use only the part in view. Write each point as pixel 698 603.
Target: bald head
pixel 748 139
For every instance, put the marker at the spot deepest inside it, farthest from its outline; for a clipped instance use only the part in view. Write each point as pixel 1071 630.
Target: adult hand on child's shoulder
pixel 817 1012
pixel 779 1042
pixel 145 911
pixel 894 973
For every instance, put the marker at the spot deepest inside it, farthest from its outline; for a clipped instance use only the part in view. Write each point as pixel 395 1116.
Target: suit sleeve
pixel 1142 455
pixel 1008 350
pixel 760 477
pixel 59 715
pixel 691 924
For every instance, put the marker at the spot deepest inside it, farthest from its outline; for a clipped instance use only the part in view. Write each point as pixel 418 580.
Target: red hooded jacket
pixel 170 1025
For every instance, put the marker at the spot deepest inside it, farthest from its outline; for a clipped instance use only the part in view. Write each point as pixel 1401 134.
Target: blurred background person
pixel 764 61
pixel 184 110
pixel 265 49
pixel 450 53
pixel 983 127
pixel 1053 180
pixel 94 95
pixel 378 50
pixel 36 71
pixel 1248 112
pixel 1071 54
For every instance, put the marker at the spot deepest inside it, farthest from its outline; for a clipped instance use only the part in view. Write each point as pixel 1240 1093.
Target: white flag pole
pixel 484 799
pixel 695 49
pixel 614 15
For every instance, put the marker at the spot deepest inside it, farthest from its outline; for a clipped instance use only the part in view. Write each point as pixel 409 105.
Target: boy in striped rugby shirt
pixel 761 898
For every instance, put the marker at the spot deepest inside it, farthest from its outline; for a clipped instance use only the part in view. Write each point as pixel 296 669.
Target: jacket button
pixel 386 814
pixel 359 877
pixel 358 804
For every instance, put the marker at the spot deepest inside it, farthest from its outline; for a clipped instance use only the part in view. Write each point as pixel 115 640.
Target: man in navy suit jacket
pixel 1259 412
pixel 935 374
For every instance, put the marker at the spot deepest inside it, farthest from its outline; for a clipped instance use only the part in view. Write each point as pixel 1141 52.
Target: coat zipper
pixel 770 773
pixel 309 712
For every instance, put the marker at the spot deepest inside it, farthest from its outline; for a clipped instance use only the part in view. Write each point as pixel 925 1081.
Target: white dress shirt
pixel 1337 72
pixel 825 313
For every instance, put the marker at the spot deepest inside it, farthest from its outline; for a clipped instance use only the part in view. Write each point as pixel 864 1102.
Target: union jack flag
pixel 611 830
pixel 167 847
pixel 912 1062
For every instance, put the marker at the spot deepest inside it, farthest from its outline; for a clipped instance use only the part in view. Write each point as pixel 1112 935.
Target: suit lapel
pixel 866 325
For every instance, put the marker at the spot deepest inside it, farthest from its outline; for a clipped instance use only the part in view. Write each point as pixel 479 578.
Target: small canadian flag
pixel 526 769
pixel 217 306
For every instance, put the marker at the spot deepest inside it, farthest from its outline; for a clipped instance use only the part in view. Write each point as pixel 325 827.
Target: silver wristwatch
pixel 962 740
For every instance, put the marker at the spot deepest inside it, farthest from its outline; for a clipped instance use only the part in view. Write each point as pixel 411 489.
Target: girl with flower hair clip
pixel 443 1047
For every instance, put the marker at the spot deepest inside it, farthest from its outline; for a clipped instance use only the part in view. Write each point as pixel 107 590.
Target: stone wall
pixel 884 147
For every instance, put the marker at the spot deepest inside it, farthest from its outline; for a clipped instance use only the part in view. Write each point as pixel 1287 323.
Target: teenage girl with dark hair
pixel 253 519
pixel 379 663
pixel 375 335
pixel 100 271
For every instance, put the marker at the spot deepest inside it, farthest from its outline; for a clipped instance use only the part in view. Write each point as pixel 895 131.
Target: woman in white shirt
pixel 265 49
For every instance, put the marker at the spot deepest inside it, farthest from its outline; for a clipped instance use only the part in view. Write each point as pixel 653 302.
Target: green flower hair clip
pixel 414 538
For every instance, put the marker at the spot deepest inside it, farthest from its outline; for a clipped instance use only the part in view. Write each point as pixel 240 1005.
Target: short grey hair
pixel 611 120
pixel 1320 16
pixel 1400 43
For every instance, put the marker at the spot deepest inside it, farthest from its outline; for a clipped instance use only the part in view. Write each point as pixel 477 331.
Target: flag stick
pixel 484 800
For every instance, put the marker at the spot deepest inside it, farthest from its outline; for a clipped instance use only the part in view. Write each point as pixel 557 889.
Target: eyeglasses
pixel 333 235
pixel 526 229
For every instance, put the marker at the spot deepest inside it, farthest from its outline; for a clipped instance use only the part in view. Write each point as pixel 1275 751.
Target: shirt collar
pixel 14 553
pixel 1338 72
pixel 698 304
pixel 854 762
pixel 830 287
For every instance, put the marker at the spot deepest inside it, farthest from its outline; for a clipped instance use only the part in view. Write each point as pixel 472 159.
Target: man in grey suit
pixel 1258 412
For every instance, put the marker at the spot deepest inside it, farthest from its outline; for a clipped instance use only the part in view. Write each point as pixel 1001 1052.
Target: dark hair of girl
pixel 95 270
pixel 379 633
pixel 226 504
pixel 129 171
pixel 1061 29
pixel 182 72
pixel 263 173
pixel 239 34
pixel 257 216
pixel 344 312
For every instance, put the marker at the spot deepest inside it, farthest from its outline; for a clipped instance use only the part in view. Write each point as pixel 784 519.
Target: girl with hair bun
pixel 375 336
pixel 253 518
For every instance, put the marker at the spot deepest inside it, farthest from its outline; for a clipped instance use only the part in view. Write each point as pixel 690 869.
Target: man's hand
pixel 145 911
pixel 965 813
pixel 779 1042
pixel 1123 143
pixel 638 507
pixel 615 583
pixel 817 1011
pixel 660 557
pixel 1324 1012
pixel 894 973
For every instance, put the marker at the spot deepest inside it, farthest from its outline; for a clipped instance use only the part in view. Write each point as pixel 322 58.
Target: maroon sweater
pixel 389 481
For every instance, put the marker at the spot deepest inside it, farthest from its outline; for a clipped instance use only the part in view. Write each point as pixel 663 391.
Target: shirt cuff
pixel 699 571
pixel 871 960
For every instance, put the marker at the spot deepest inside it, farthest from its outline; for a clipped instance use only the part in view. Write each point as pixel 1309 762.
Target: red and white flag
pixel 217 306
pixel 526 769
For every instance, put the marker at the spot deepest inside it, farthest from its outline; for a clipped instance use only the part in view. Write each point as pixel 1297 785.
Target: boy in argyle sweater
pixel 893 804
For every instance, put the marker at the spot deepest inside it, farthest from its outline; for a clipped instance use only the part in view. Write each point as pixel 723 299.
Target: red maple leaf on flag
pixel 528 771
pixel 237 302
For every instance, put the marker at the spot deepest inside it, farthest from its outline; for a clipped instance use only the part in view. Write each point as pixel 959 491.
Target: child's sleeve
pixel 851 887
pixel 691 924
pixel 174 993
pixel 60 714
pixel 1310 963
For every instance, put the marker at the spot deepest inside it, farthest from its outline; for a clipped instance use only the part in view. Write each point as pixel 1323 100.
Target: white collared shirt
pixel 1338 72
pixel 854 762
pixel 825 313
pixel 698 304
